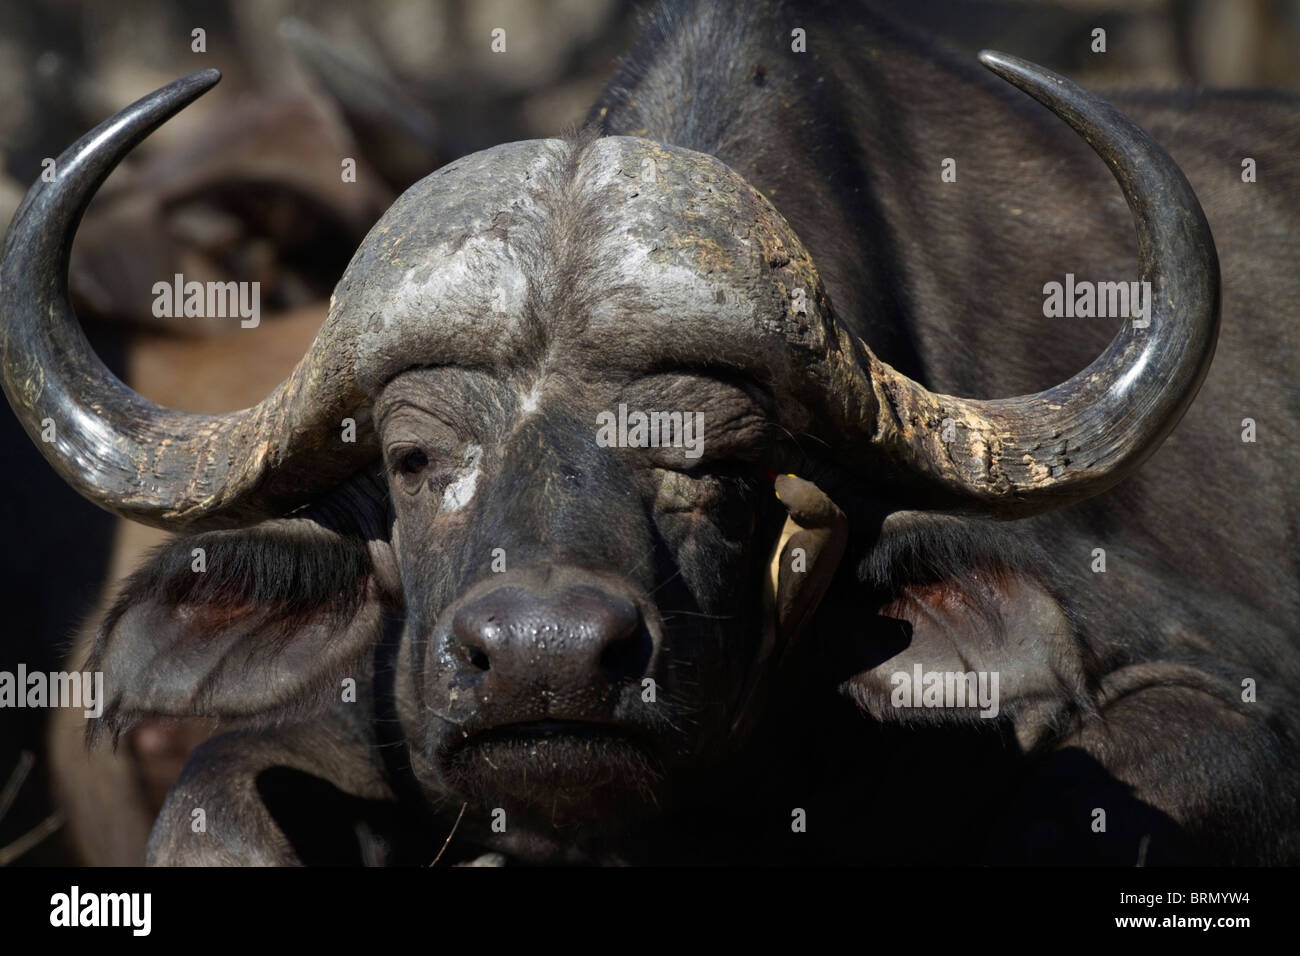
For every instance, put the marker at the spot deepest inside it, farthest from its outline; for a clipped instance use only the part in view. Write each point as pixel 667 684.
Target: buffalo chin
pixel 589 778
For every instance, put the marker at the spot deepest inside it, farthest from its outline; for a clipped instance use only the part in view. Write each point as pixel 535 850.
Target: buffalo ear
pixel 254 624
pixel 942 599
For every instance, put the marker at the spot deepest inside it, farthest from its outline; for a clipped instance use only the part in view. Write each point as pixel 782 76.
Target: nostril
pixel 478 630
pixel 625 658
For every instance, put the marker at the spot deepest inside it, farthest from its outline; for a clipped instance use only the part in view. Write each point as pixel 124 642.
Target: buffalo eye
pixel 413 462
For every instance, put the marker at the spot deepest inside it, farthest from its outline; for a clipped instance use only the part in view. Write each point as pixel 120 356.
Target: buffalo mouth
pixel 571 772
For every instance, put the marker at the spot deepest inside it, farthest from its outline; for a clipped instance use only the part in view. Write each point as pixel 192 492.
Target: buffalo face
pixel 584 606
pixel 580 619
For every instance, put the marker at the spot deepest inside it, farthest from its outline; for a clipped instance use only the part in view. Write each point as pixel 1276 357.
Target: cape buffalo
pixel 590 529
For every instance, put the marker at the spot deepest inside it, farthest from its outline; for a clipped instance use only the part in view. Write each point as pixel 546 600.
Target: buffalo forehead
pixel 696 248
pixel 682 257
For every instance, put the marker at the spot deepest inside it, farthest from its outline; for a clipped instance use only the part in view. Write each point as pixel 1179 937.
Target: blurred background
pixel 245 185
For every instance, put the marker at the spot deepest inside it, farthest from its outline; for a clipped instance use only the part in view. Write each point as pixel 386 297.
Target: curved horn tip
pixel 1016 71
pixel 180 92
pixel 991 58
pixel 203 79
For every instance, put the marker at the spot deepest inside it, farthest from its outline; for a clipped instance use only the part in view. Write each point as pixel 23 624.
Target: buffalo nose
pixel 577 639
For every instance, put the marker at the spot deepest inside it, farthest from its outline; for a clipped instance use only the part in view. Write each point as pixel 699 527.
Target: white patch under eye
pixel 528 404
pixel 460 491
